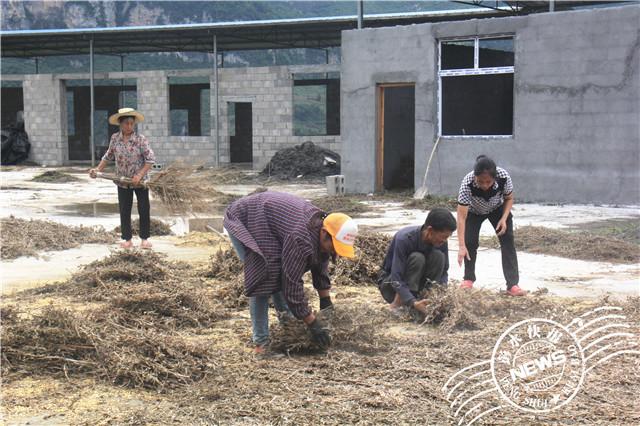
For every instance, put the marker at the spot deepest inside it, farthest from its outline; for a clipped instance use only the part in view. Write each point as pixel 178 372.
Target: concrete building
pixel 554 98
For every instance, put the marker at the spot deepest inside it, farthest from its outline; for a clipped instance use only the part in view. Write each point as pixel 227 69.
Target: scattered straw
pixel 59 342
pixel 157 228
pixel 431 201
pixel 371 248
pixel 30 237
pixel 352 328
pixel 342 204
pixel 54 176
pixel 572 245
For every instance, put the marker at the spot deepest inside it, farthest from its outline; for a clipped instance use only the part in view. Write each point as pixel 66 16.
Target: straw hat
pixel 126 112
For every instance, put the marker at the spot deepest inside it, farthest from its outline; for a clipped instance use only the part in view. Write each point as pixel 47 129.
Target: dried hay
pixel 432 201
pixel 572 245
pixel 371 248
pixel 352 327
pixel 157 228
pixel 58 342
pixel 21 237
pixel 449 308
pixel 145 284
pixel 55 176
pixel 202 239
pixel 341 204
pixel 228 272
pixel 225 265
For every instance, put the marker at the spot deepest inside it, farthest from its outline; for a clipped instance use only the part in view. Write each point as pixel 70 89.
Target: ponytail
pixel 485 164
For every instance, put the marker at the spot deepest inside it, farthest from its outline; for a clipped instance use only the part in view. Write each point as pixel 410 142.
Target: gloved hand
pixel 325 302
pixel 320 333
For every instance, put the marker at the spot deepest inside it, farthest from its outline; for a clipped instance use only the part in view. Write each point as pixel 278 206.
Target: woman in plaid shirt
pixel 487 193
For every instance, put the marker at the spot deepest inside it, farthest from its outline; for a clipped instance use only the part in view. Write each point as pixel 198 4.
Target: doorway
pixel 240 132
pixel 108 98
pixel 395 153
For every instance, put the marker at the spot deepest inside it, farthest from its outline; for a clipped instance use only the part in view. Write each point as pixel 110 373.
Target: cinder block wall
pixel 45 119
pixel 576 107
pixel 269 89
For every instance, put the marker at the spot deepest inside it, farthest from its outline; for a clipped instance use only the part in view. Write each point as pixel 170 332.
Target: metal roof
pixel 241 35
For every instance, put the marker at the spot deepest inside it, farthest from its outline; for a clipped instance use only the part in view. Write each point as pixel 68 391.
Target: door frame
pixel 379 163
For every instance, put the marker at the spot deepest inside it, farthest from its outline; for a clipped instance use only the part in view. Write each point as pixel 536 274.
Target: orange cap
pixel 343 231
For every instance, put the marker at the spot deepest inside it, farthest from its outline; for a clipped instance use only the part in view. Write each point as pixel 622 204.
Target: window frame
pixel 319 79
pixel 476 70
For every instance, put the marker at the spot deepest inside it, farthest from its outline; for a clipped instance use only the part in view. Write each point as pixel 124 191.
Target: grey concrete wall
pixel 269 89
pixel 45 119
pixel 576 107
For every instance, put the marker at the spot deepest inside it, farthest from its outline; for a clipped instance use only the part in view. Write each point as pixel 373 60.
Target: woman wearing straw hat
pixel 134 158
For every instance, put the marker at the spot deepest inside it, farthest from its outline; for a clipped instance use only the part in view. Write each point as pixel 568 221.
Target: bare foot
pixel 126 244
pixel 145 244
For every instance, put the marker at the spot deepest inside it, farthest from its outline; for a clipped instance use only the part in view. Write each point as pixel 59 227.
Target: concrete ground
pixel 94 202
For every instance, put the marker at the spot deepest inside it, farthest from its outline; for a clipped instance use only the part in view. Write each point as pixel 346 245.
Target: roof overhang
pixel 231 36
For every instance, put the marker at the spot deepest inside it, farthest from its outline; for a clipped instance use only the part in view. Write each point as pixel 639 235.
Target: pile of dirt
pixel 307 161
pixel 432 201
pixel 341 204
pixel 353 327
pixel 572 245
pixel 371 248
pixel 30 237
pixel 157 228
pixel 59 342
pixel 55 176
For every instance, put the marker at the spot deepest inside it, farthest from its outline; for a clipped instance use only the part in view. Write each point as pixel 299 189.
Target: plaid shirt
pixel 282 235
pixel 484 202
pixel 130 157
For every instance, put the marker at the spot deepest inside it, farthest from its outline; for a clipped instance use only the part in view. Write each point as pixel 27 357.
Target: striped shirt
pixel 130 157
pixel 484 202
pixel 282 235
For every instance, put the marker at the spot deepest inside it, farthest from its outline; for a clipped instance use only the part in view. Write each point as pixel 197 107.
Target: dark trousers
pixel 419 273
pixel 507 246
pixel 125 201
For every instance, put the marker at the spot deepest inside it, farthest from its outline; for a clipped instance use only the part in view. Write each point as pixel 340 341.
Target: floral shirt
pixel 130 157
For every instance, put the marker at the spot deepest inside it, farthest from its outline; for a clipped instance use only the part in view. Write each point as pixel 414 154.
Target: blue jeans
pixel 259 305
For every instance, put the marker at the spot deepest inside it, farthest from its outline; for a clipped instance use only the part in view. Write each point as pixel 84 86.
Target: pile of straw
pixel 59 342
pixel 371 248
pixel 353 327
pixel 21 237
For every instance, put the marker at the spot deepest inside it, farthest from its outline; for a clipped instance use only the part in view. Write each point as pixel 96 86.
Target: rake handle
pixel 124 180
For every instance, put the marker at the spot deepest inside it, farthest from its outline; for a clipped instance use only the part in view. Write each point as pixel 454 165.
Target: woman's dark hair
pixel 485 164
pixel 124 117
pixel 440 219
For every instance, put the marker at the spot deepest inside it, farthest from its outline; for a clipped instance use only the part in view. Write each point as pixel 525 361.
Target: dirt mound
pixel 354 327
pixel 21 237
pixel 572 245
pixel 342 204
pixel 158 228
pixel 55 176
pixel 60 343
pixel 371 248
pixel 307 161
